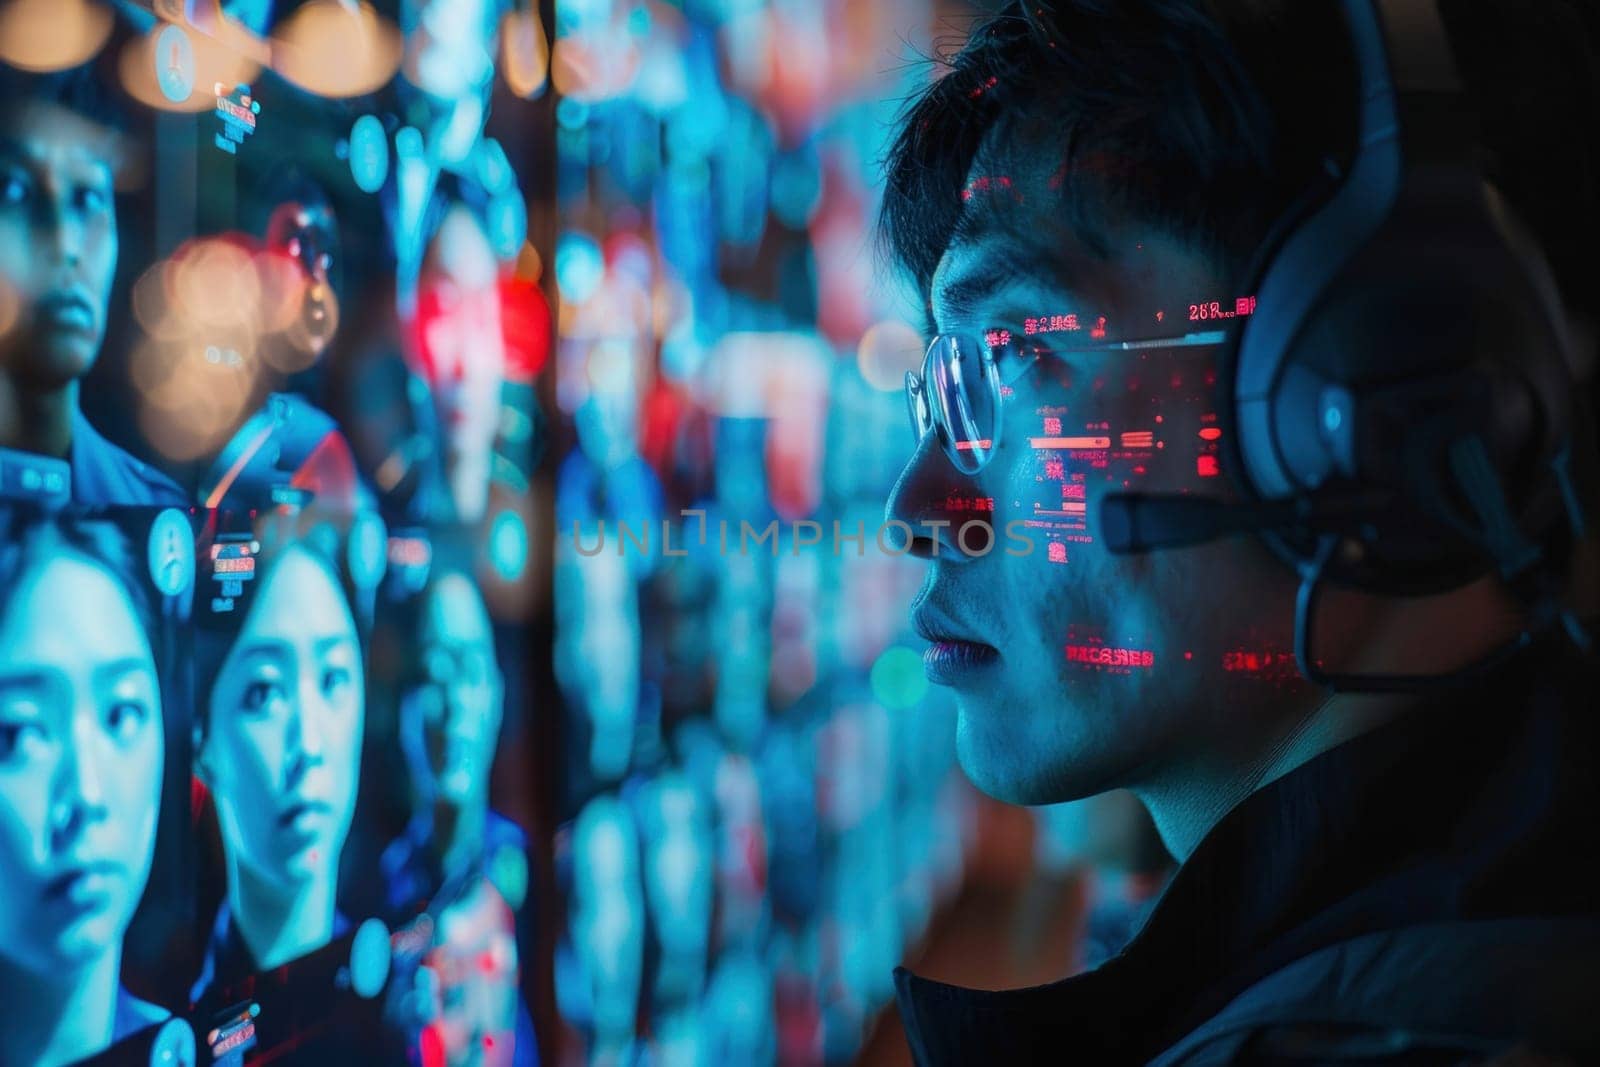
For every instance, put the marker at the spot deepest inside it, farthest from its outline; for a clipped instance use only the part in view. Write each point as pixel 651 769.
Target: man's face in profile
pixel 58 241
pixel 1076 670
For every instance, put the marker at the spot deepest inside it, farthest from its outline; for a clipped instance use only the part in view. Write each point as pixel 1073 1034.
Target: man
pixel 59 154
pixel 1353 867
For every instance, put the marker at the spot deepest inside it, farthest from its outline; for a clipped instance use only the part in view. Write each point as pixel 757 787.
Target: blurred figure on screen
pixel 459 344
pixel 466 863
pixel 60 152
pixel 597 656
pixel 449 721
pixel 601 969
pixel 679 855
pixel 283 703
pixel 81 755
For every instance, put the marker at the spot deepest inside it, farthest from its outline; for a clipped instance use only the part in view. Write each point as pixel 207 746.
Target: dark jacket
pixel 1420 894
pixel 103 475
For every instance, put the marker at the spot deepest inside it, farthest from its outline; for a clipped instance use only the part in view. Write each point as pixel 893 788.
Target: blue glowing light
pixel 508 545
pixel 367 546
pixel 508 223
pixel 898 680
pixel 369 153
pixel 579 266
pixel 369 959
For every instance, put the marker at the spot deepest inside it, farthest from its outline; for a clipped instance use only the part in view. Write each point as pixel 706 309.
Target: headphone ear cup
pixel 1433 334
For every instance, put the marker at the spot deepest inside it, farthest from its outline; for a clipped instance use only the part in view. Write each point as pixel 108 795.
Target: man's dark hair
pixel 1211 118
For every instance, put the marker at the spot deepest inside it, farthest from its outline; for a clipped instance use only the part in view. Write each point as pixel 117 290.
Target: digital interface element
pixel 24 476
pixel 1107 405
pixel 175 64
pixel 233 566
pixel 235 1035
pixel 237 112
pixel 171 552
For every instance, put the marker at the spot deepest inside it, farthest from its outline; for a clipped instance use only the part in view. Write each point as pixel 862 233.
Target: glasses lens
pixel 917 407
pixel 962 387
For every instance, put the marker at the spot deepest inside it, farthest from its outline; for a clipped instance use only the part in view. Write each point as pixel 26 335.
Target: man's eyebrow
pixel 119 667
pixel 24 679
pixel 323 645
pixel 264 646
pixel 960 298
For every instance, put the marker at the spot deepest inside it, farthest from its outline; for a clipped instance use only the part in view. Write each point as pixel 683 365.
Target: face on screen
pixel 58 242
pixel 282 749
pixel 464 353
pixel 1076 670
pixel 81 752
pixel 457 708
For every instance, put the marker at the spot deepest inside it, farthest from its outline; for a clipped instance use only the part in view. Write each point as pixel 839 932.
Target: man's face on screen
pixel 58 242
pixel 1076 670
pixel 81 752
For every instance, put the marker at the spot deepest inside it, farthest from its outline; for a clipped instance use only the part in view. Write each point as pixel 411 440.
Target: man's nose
pixel 918 500
pixel 80 797
pixel 307 727
pixel 60 232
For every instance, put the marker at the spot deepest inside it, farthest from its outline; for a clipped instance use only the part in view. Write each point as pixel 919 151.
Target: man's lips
pixel 952 657
pixel 84 882
pixel 68 308
pixel 952 662
pixel 304 811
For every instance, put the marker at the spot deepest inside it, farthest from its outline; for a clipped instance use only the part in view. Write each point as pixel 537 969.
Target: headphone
pixel 1403 416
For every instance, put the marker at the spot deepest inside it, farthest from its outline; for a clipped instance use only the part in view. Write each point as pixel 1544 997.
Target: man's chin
pixel 55 360
pixel 1006 760
pixel 995 755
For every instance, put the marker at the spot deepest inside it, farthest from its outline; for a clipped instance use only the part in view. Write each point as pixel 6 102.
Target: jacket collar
pixel 1451 811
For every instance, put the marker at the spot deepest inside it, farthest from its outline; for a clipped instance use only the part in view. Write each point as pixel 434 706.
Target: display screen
pixel 274 330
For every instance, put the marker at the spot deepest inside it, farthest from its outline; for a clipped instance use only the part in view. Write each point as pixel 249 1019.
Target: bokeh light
pixel 336 49
pixel 888 349
pixel 215 61
pixel 46 35
pixel 579 266
pixel 524 53
pixel 194 410
pixel 369 153
pixel 508 545
pixel 898 680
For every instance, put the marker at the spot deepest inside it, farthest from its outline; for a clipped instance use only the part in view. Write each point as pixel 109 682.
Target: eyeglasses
pixel 958 392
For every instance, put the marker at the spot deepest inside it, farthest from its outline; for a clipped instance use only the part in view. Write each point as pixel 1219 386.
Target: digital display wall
pixel 275 335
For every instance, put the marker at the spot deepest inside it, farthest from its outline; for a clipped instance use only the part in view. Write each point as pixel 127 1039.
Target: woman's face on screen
pixel 283 744
pixel 81 752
